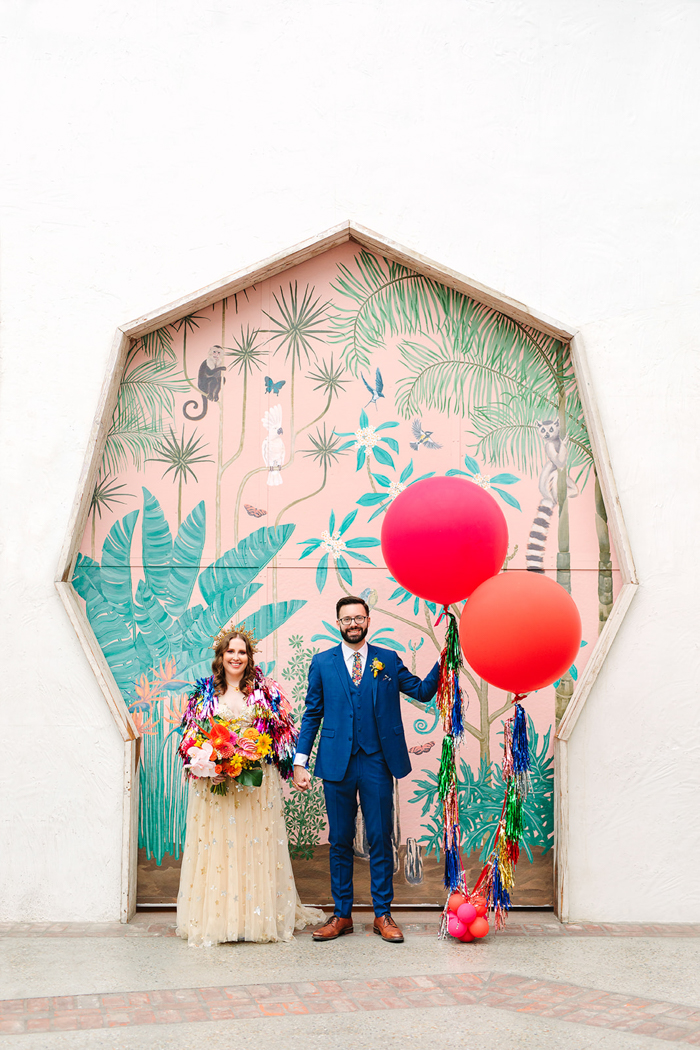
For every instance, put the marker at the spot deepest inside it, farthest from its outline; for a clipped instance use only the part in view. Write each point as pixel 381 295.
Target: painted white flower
pixel 332 544
pixel 200 763
pixel 482 480
pixel 366 437
pixel 395 488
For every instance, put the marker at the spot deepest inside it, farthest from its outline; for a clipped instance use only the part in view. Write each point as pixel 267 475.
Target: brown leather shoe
pixel 335 927
pixel 387 929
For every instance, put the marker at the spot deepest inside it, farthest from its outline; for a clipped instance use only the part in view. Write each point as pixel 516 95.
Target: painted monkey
pixel 209 381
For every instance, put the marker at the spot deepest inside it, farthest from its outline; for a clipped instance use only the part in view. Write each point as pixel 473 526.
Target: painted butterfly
pixel 255 512
pixel 273 388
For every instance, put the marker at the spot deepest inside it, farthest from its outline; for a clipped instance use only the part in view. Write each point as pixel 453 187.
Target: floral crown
pixel 237 629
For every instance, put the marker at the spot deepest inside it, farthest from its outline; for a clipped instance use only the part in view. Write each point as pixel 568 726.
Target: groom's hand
pixel 302 778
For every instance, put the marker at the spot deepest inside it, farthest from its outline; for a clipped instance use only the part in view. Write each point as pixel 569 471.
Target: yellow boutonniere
pixel 377 666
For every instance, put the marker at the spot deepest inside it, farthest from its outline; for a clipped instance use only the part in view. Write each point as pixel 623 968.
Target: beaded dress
pixel 236 881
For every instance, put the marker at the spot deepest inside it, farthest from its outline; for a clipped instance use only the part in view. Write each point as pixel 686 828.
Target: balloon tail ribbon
pixel 497 877
pixel 450 704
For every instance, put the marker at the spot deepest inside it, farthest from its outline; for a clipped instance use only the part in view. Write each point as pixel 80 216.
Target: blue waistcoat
pixel 364 722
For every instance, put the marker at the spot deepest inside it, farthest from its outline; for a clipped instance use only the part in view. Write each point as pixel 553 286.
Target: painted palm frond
pixel 299 323
pixel 158 345
pixel 147 393
pixel 386 297
pixel 325 448
pixel 506 432
pixel 105 494
pixel 328 377
pixel 246 354
pixel 129 441
pixel 181 455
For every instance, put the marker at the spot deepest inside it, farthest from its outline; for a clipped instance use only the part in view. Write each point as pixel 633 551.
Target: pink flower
pixel 200 764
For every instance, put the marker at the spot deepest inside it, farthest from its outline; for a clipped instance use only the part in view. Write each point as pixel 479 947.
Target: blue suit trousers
pixel 369 777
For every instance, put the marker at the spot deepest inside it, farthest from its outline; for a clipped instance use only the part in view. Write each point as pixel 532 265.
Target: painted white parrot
pixel 273 446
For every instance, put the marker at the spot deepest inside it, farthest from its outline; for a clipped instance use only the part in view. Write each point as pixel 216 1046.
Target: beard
pixel 359 635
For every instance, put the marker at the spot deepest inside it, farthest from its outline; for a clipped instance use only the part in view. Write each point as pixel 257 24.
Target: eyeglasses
pixel 345 621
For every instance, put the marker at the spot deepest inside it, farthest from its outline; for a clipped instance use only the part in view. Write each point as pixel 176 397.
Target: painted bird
pixel 376 390
pixel 422 436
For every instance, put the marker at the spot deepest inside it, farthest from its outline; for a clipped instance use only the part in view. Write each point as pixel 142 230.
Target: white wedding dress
pixel 236 881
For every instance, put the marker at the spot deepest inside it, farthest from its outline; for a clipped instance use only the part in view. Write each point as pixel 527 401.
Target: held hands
pixel 302 778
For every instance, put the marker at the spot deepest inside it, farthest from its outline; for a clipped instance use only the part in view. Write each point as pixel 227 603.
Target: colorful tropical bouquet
pixel 214 746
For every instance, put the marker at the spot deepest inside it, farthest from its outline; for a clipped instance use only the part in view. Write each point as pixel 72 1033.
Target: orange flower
pixel 219 736
pixel 251 733
pixel 234 766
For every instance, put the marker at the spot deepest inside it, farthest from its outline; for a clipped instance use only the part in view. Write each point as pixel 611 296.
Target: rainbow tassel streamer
pixel 450 705
pixel 497 877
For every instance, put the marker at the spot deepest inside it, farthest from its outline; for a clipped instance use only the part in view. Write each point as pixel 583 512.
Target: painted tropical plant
pixel 335 549
pixel 385 490
pixel 304 811
pixel 150 624
pixel 488 482
pixel 105 495
pixel 180 457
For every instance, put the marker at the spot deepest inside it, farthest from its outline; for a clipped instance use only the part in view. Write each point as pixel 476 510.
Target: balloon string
pixel 443 613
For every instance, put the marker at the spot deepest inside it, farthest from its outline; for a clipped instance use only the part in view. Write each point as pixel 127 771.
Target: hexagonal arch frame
pixel 276 264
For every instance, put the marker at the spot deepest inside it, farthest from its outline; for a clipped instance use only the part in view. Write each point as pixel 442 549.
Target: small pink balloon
pixel 455 927
pixel 466 913
pixel 466 937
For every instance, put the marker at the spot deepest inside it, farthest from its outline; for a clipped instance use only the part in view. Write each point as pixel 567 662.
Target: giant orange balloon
pixel 520 631
pixel 442 537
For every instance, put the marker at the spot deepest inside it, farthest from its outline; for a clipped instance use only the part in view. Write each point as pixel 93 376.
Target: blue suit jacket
pixel 328 700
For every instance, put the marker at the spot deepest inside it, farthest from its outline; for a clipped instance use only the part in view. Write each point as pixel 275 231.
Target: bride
pixel 236 881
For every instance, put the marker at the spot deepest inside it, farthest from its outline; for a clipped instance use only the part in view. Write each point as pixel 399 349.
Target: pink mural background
pixel 301 356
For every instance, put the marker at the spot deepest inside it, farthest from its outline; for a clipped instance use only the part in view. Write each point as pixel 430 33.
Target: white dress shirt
pixel 349 658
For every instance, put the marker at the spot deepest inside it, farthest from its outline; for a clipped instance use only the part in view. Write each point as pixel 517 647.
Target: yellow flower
pixel 264 744
pixel 377 666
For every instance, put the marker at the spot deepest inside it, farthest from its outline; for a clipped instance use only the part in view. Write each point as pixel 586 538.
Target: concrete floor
pixel 660 968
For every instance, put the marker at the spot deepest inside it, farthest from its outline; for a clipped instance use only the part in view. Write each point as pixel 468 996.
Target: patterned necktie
pixel 357 668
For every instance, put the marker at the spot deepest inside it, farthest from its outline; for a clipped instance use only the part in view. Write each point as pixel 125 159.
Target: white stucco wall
pixel 548 150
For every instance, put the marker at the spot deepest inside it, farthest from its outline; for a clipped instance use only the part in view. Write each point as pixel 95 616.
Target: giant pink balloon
pixel 442 537
pixel 520 631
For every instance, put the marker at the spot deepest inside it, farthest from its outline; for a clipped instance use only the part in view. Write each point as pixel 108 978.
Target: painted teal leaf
pixel 362 541
pixel 152 622
pixel 364 421
pixel 116 560
pixel 88 574
pixel 331 628
pixel 225 604
pixel 240 565
pixel 573 672
pixel 382 456
pixel 406 472
pixel 390 643
pixel 360 557
pixel 371 499
pixel 433 608
pixel 396 593
pixel 310 550
pixel 331 523
pixel 346 445
pixel 322 573
pixel 113 631
pixel 325 638
pixel 344 569
pixel 189 616
pixel 269 618
pixel 507 498
pixel 156 545
pixel 347 522
pixel 471 464
pixel 361 455
pixel 382 480
pixel 392 443
pixel 416 606
pixel 453 473
pixel 422 477
pixel 186 561
pixel 386 426
pixel 504 479
pixel 379 510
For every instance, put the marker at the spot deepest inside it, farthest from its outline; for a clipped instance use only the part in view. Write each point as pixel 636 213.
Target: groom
pixel 354 689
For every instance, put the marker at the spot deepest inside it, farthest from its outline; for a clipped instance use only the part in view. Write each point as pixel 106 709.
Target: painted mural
pixel 254 448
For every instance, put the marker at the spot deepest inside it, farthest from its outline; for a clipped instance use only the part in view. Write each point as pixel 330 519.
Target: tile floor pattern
pixel 512 992
pixel 166 928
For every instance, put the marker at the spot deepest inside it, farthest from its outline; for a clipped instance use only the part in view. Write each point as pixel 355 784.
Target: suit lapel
pixel 371 653
pixel 341 669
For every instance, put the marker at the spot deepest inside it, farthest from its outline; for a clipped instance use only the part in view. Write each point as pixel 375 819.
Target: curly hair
pixel 248 679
